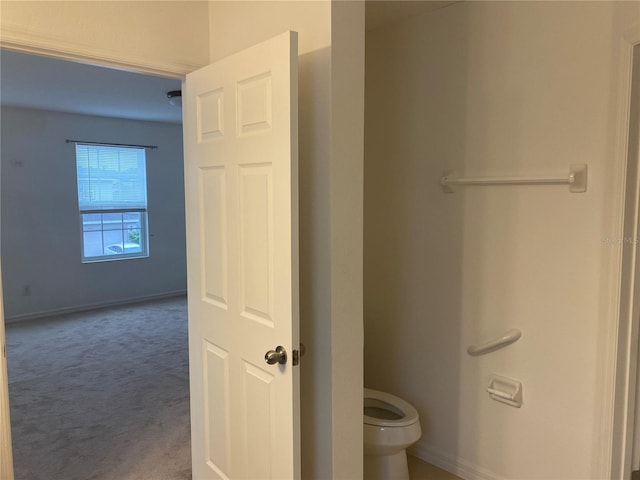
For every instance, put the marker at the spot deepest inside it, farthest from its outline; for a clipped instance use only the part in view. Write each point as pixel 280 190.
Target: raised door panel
pixel 256 243
pixel 258 421
pixel 217 411
pixel 213 243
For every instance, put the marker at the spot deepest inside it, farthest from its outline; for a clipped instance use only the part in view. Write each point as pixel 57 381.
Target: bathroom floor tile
pixel 419 470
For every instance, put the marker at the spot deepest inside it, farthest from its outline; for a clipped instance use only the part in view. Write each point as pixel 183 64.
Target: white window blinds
pixel 111 178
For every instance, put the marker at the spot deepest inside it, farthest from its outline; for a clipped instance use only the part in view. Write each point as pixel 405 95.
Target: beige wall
pixel 165 36
pixel 331 44
pixel 491 88
pixel 237 25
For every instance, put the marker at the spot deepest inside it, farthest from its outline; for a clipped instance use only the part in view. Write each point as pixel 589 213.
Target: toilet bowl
pixel 390 426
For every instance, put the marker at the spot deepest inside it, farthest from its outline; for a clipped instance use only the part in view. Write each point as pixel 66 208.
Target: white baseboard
pixel 91 306
pixel 457 466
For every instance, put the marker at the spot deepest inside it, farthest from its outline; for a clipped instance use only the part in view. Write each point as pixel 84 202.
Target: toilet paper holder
pixel 505 390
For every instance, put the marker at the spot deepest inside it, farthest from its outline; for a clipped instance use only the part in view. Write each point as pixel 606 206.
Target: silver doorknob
pixel 279 355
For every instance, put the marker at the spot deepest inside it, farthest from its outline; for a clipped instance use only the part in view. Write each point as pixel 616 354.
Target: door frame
pixel 6 458
pixel 625 346
pixel 90 58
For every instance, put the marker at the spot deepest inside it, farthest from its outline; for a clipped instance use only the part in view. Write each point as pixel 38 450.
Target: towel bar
pixel 577 180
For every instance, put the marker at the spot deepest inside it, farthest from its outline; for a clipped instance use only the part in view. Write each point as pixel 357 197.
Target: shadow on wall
pixel 413 232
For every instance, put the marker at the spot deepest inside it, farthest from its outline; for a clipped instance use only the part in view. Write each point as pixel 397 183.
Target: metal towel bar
pixel 507 339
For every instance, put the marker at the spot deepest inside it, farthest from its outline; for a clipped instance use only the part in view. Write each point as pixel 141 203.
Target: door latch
pixel 298 353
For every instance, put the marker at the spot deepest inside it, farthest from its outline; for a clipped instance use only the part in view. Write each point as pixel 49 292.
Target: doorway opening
pixel 47 289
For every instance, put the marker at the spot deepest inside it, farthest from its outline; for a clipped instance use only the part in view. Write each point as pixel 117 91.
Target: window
pixel 112 198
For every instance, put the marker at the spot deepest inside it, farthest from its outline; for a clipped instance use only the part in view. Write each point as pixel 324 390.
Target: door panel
pixel 258 420
pixel 216 408
pixel 240 124
pixel 256 243
pixel 214 235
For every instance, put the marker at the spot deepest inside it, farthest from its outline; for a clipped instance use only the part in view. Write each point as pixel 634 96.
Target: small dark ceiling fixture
pixel 175 97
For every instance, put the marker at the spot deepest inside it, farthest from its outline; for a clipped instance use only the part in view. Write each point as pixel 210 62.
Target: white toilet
pixel 390 426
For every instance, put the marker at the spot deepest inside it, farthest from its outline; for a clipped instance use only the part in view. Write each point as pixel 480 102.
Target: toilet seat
pixel 394 405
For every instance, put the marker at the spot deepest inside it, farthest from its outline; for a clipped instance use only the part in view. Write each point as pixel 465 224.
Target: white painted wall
pixel 331 36
pixel 490 88
pixel 165 36
pixel 40 220
pixel 238 25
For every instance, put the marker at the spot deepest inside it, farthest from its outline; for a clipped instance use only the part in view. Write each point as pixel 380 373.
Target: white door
pixel 241 175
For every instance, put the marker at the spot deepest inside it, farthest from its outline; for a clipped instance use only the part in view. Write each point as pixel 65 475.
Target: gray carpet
pixel 101 395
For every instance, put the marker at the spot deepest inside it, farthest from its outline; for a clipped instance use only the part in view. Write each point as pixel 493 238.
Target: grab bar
pixel 576 179
pixel 507 339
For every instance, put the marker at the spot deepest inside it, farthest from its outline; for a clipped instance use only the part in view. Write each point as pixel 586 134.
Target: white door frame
pixel 96 59
pixel 624 415
pixel 632 205
pixel 6 459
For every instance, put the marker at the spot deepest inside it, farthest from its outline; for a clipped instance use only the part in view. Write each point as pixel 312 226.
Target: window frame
pixel 144 237
pixel 144 216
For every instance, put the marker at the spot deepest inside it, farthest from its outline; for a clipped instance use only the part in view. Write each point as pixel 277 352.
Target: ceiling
pixel 33 81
